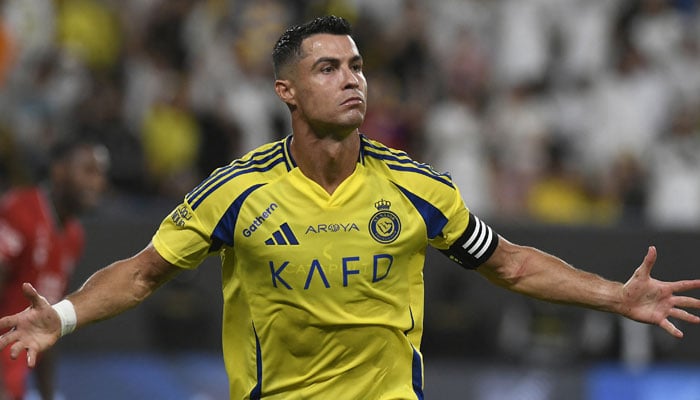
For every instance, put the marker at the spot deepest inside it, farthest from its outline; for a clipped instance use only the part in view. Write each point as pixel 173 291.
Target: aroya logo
pixel 332 228
pixel 282 236
pixel 384 226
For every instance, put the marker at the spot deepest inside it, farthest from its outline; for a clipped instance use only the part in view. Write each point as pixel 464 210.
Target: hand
pixel 648 300
pixel 35 329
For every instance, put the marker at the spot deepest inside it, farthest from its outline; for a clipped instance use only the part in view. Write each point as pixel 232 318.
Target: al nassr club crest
pixel 384 226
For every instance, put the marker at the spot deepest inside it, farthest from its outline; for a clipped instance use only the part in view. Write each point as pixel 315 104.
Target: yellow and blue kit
pixel 323 293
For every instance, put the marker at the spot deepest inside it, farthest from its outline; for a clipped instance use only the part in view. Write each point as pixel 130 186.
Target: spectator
pixel 674 173
pixel 41 241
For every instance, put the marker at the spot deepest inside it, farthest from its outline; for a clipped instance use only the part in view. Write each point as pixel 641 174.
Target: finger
pixel 31 357
pixel 670 328
pixel 31 294
pixel 16 348
pixel 7 338
pixel 684 315
pixel 685 285
pixel 649 261
pixel 7 323
pixel 686 302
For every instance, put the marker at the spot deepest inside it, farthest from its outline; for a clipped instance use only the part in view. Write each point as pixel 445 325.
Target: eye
pixel 357 67
pixel 327 69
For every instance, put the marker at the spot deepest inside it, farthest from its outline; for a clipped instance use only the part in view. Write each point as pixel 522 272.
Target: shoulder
pixel 21 202
pixel 256 168
pixel 19 215
pixel 400 167
pixel 432 193
pixel 20 195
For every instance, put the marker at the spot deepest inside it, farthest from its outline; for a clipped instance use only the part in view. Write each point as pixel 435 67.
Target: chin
pixel 355 121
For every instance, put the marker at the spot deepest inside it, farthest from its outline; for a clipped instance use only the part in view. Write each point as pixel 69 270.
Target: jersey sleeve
pixel 182 239
pixel 464 238
pixel 476 244
pixel 205 220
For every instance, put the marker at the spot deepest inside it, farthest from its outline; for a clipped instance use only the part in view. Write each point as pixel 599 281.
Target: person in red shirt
pixel 41 240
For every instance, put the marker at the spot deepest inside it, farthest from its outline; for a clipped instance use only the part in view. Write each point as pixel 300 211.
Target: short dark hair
pixel 61 151
pixel 288 47
pixel 65 148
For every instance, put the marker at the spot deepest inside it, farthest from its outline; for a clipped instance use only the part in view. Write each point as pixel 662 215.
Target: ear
pixel 285 91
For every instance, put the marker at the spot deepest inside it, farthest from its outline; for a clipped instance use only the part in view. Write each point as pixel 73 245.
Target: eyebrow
pixel 334 60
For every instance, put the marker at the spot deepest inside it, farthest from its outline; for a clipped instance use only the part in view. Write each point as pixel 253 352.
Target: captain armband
pixel 475 246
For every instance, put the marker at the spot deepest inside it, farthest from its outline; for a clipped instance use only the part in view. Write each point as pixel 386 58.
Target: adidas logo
pixel 282 236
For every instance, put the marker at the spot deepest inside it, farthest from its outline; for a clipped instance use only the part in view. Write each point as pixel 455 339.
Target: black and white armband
pixel 475 246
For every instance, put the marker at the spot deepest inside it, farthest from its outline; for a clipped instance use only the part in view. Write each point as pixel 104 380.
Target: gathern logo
pixel 384 226
pixel 258 221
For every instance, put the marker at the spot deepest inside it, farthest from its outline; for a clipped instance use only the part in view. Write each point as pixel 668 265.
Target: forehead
pixel 89 155
pixel 328 45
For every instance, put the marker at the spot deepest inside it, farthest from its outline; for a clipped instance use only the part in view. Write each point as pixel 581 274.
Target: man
pixel 41 241
pixel 322 237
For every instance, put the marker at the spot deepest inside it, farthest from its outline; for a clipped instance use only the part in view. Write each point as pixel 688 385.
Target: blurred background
pixel 570 125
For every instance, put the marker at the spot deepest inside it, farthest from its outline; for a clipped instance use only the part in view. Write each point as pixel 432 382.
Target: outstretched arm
pixel 108 292
pixel 540 275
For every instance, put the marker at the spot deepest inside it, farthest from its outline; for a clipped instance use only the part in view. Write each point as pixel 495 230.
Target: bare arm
pixel 540 275
pixel 121 286
pixel 108 292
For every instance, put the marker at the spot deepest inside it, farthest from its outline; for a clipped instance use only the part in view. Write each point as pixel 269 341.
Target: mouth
pixel 352 101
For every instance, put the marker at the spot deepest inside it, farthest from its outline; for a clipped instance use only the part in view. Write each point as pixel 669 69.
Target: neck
pixel 58 207
pixel 327 160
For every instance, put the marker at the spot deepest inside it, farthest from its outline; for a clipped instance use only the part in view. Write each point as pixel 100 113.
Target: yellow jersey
pixel 323 293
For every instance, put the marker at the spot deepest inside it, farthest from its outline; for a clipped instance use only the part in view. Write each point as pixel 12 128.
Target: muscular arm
pixel 537 274
pixel 121 286
pixel 540 275
pixel 108 292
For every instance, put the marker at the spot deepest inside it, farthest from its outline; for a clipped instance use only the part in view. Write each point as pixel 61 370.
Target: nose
pixel 350 78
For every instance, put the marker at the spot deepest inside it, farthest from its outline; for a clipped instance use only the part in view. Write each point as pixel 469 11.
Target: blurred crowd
pixel 552 111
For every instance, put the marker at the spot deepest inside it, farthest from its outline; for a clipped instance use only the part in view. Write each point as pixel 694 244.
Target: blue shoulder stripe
pixel 440 178
pixel 434 219
pixel 222 175
pixel 234 174
pixel 400 161
pixel 369 145
pixel 255 158
pixel 223 232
